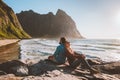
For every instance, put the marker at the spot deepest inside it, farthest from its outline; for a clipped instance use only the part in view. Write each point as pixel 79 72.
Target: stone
pixel 16 67
pixel 2 73
pixel 94 61
pixel 20 70
pixel 105 77
pixel 111 68
pixel 40 68
pixel 10 77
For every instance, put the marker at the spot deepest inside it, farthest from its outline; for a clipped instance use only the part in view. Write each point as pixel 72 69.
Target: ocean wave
pixel 107 50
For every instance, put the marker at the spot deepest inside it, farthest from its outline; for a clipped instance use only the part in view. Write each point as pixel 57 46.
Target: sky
pixel 95 19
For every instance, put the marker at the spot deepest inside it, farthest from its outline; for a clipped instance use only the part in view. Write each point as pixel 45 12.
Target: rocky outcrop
pixel 48 25
pixel 15 67
pixel 9 24
pixel 47 70
pixel 111 68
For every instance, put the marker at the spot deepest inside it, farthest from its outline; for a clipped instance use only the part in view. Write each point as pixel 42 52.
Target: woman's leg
pixel 75 63
pixel 85 62
pixel 92 70
pixel 52 58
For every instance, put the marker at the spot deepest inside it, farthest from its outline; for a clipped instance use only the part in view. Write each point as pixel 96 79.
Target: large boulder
pixel 110 68
pixel 41 67
pixel 15 67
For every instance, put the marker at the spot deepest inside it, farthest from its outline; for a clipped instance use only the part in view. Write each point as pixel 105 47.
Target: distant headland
pixel 48 25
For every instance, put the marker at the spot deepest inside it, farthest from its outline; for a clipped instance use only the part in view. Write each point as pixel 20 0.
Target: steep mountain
pixel 9 24
pixel 48 25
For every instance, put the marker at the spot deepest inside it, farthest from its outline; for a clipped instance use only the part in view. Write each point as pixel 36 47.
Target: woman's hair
pixel 67 44
pixel 62 40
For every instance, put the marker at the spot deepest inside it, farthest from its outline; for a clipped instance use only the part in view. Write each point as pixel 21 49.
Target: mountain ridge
pixel 48 25
pixel 9 24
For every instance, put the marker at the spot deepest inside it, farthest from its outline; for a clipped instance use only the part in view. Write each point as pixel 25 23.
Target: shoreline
pixel 16 69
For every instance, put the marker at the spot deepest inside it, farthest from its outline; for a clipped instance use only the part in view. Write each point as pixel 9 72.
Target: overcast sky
pixel 93 18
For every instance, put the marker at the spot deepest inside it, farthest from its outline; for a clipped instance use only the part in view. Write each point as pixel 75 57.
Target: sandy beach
pixel 9 49
pixel 8 41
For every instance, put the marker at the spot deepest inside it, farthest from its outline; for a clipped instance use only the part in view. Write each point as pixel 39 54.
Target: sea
pixel 105 49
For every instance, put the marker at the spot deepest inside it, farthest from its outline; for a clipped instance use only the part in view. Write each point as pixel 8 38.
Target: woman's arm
pixel 57 51
pixel 77 55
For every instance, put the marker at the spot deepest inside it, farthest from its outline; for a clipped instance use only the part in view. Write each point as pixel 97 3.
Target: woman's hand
pixel 82 56
pixel 51 57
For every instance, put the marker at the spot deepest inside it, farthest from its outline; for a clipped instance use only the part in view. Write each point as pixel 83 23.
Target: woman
pixel 59 55
pixel 74 59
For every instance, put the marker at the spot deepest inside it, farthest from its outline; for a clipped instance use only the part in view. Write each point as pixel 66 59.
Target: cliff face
pixel 9 24
pixel 48 25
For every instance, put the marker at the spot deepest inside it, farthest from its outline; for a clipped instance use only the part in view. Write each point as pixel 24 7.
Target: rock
pixel 53 75
pixel 117 75
pixel 48 25
pixel 105 77
pixel 9 24
pixel 111 68
pixel 41 68
pixel 2 73
pixel 10 77
pixel 94 61
pixel 20 70
pixel 16 67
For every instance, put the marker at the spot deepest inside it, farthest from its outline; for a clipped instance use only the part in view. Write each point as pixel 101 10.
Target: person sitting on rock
pixel 59 55
pixel 74 59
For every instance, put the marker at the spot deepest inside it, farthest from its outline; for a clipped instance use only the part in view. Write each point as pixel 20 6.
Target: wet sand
pixel 9 50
